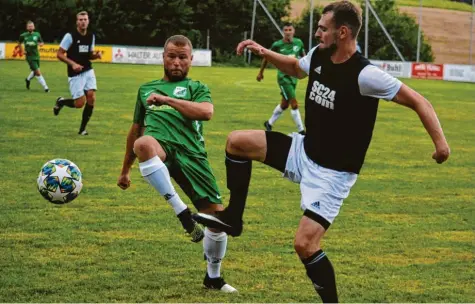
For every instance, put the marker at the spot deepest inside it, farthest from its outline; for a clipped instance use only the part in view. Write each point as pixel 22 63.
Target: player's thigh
pixel 90 83
pixel 76 86
pixel 249 144
pixel 195 177
pixel 146 147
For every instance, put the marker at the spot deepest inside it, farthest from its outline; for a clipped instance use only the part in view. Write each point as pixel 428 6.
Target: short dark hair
pixel 29 22
pixel 288 24
pixel 345 13
pixel 178 40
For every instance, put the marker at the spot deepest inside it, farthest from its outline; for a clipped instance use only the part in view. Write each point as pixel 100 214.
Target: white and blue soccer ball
pixel 60 181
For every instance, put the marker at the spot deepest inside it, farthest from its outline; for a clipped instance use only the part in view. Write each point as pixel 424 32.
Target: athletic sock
pixel 320 271
pixel 214 248
pixel 276 114
pixel 156 174
pixel 30 77
pixel 42 81
pixel 238 175
pixel 66 102
pixel 86 115
pixel 297 119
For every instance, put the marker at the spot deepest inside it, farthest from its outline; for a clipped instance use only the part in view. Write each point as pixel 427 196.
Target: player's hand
pixel 251 45
pixel 77 67
pixel 259 77
pixel 98 55
pixel 41 44
pixel 124 181
pixel 156 99
pixel 441 153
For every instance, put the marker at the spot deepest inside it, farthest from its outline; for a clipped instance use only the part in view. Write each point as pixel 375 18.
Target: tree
pixel 402 28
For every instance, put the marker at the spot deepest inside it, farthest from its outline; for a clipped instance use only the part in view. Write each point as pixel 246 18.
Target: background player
pixel 31 39
pixel 79 46
pixel 292 47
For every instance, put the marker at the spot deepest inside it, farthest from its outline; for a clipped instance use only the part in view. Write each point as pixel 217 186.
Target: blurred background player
pixel 31 39
pixel 77 51
pixel 167 138
pixel 292 47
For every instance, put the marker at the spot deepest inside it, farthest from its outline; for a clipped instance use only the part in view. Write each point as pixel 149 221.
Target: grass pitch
pixel 405 234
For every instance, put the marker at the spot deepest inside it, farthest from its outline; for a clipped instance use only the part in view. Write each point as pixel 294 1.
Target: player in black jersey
pixel 340 111
pixel 77 51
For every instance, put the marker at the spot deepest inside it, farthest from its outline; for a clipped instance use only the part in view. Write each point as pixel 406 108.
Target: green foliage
pixel 403 30
pixel 146 22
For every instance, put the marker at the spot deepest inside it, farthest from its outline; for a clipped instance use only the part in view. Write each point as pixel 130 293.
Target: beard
pixel 174 77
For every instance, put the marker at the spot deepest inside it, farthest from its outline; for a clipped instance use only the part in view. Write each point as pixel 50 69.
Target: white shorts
pixel 323 190
pixel 83 82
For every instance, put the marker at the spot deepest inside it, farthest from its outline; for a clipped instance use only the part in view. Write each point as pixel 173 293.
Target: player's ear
pixel 191 57
pixel 343 31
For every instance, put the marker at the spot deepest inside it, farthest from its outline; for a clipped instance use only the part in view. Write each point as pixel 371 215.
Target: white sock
pixel 214 247
pixel 297 119
pixel 32 74
pixel 42 81
pixel 156 174
pixel 276 114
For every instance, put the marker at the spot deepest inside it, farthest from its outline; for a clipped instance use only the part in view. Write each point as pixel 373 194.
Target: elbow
pixel 208 115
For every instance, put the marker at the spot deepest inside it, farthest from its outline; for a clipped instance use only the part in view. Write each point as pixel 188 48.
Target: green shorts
pixel 34 64
pixel 193 174
pixel 287 91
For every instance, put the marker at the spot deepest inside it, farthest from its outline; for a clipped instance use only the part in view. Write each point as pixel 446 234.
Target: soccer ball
pixel 59 181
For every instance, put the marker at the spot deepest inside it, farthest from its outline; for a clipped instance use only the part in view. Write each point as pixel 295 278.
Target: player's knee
pixel 284 105
pixel 37 73
pixel 303 247
pixel 79 103
pixel 143 148
pixel 91 97
pixel 294 104
pixel 234 142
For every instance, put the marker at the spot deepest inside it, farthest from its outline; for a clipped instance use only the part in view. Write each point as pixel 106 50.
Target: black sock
pixel 320 271
pixel 238 174
pixel 67 102
pixel 86 115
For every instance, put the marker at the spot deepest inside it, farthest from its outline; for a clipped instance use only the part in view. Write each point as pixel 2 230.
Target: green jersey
pixel 292 49
pixel 167 124
pixel 31 41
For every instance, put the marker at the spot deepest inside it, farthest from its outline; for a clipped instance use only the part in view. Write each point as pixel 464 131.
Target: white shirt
pixel 68 40
pixel 372 81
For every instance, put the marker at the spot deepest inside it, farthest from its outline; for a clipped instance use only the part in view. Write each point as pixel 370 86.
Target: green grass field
pixel 405 234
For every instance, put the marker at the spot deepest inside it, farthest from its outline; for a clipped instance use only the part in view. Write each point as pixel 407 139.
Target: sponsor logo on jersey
pixel 179 92
pixel 322 95
pixel 83 48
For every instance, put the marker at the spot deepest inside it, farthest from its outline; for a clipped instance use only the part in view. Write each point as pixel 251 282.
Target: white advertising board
pixel 148 55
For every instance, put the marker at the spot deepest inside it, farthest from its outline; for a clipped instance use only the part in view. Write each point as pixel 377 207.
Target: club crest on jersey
pixel 179 92
pixel 296 48
pixel 322 95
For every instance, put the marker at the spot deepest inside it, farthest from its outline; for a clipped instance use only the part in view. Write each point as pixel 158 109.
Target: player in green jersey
pixel 31 39
pixel 167 138
pixel 292 47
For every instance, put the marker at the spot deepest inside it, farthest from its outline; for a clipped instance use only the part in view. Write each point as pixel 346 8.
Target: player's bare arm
pixel 96 55
pixel 287 65
pixel 136 130
pixel 189 109
pixel 260 76
pixel 411 99
pixel 61 55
